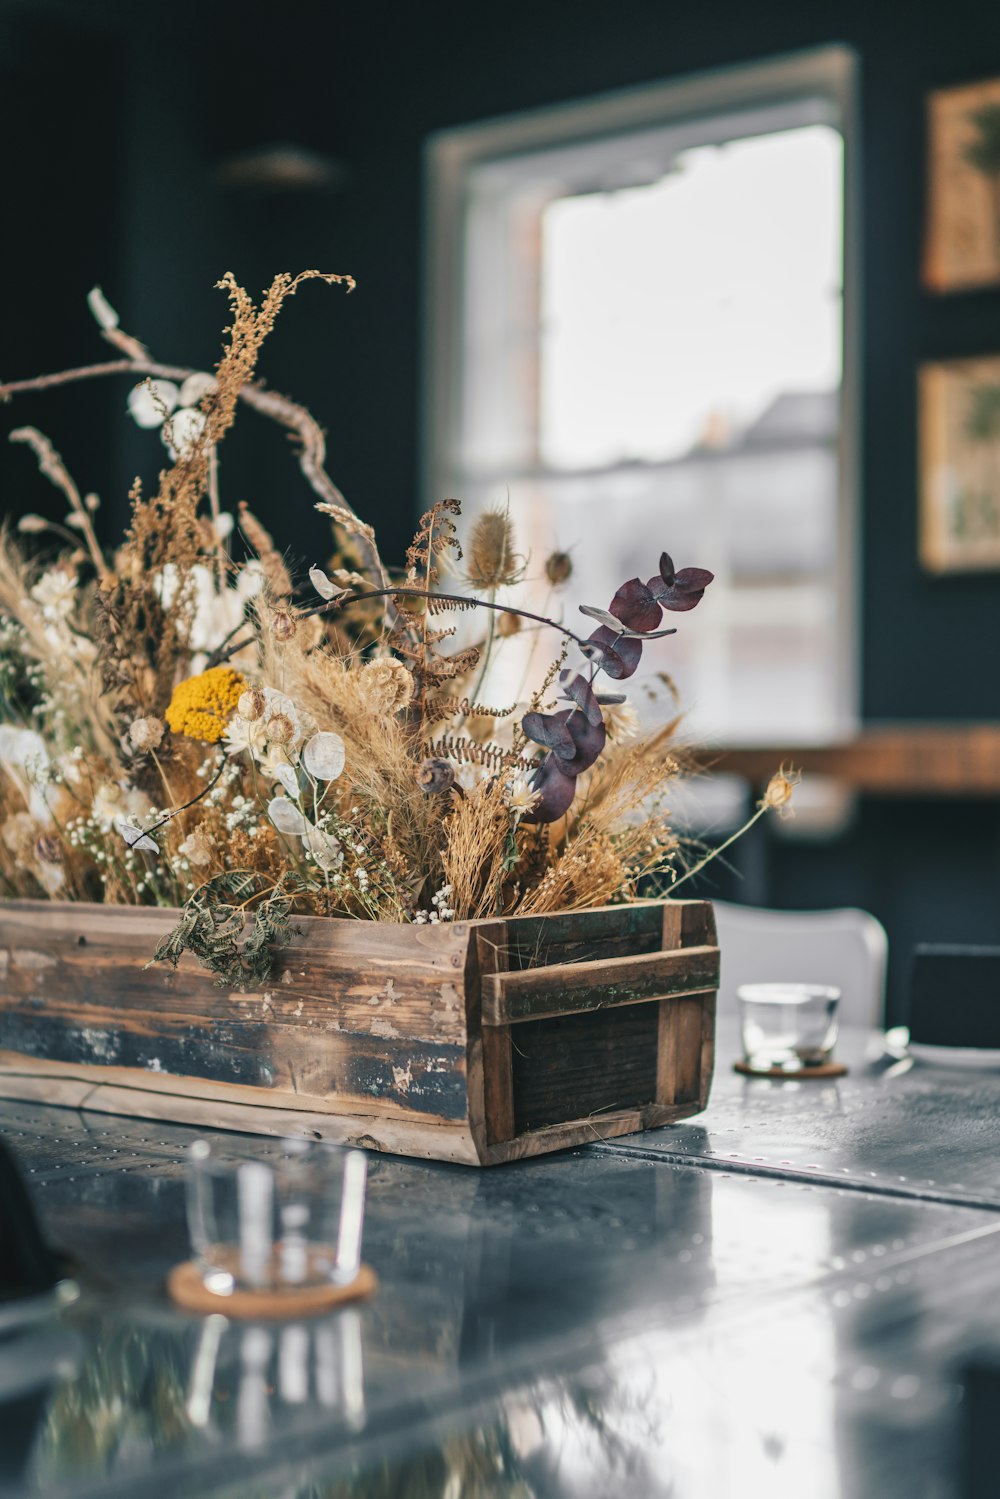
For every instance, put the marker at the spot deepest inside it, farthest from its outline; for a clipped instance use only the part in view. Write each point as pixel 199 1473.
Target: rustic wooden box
pixel 481 1042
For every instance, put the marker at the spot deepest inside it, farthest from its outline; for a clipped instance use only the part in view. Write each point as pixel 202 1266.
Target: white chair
pixel 845 947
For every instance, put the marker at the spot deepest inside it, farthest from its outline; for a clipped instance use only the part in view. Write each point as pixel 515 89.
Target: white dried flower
pixel 184 431
pixel 195 388
pixel 621 721
pixel 55 591
pixel 241 734
pixel 196 849
pixel 146 734
pixel 387 683
pixel 324 756
pixel 152 401
pixel 520 797
pixel 113 802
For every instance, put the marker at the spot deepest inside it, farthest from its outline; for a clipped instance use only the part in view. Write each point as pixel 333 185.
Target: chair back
pixel 844 947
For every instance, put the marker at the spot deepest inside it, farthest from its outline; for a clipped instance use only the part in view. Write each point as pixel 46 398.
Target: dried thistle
pixel 491 561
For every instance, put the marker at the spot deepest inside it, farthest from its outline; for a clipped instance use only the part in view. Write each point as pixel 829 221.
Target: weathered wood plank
pixel 565 988
pixel 498 1087
pixel 583 1065
pixel 388 1031
pixel 581 936
pixel 198 1102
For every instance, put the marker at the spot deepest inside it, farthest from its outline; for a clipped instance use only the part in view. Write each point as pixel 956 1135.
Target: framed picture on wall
pixel 960 465
pixel 963 202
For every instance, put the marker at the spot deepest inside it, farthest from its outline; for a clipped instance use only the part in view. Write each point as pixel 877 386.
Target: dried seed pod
pixel 558 568
pixel 283 625
pixel 280 729
pixel 251 704
pixel 435 776
pixel 508 624
pixel 48 850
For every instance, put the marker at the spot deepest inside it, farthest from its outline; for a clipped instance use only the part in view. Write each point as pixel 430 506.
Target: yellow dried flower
pixel 508 624
pixel 490 557
pixel 387 684
pixel 202 706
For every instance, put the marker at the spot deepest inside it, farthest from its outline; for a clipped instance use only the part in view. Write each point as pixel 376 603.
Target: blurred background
pixel 686 311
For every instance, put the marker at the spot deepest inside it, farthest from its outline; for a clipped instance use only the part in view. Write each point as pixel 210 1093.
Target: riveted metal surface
pixel 644 1318
pixel 891 1125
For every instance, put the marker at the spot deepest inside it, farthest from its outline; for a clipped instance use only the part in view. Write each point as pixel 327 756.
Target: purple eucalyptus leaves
pixel 574 737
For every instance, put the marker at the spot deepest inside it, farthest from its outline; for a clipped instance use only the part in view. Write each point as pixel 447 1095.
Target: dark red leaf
pixel 580 692
pixel 588 738
pixel 693 578
pixel 677 599
pixel 557 793
pixel 618 656
pixel 549 729
pixel 636 607
pixel 666 568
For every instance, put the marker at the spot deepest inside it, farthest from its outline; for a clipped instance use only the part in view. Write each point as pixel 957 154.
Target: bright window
pixel 637 318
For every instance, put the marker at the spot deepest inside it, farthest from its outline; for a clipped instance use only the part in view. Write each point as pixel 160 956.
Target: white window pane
pixel 674 314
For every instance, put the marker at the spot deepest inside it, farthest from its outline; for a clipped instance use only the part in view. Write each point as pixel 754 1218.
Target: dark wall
pixel 116 117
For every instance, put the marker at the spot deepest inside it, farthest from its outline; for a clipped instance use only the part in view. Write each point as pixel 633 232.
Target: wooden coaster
pixel 188 1290
pixel 822 1069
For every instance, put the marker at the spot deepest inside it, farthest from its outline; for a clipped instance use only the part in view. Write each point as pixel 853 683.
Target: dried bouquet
pixel 183 723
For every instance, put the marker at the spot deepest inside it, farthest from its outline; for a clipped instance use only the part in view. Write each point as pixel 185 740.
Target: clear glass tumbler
pixel 788 1026
pixel 273 1221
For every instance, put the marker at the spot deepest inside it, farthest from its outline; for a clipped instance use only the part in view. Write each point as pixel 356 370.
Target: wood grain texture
pixel 567 988
pixel 498 1086
pixel 478 1042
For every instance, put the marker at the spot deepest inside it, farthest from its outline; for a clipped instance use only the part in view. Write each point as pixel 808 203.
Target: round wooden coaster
pixel 188 1290
pixel 822 1069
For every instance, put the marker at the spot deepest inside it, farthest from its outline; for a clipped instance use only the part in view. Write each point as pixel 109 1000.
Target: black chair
pixel 954 996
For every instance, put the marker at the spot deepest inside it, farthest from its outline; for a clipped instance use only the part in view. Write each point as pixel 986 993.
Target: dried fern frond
pixel 465 751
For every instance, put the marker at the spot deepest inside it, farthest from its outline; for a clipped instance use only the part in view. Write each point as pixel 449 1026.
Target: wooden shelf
pixel 889 759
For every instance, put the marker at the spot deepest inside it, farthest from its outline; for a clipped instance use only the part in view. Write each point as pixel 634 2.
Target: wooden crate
pixel 481 1041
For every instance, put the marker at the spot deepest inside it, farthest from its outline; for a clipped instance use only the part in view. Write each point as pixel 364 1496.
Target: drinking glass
pixel 291 1220
pixel 787 1026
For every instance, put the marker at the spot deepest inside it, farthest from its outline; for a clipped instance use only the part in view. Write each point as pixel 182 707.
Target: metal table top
pixel 663 1315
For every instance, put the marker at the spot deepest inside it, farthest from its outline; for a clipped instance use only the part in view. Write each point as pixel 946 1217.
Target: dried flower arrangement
pixel 180 726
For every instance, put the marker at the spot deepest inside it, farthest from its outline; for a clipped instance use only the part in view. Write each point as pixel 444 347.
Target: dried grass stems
pixel 182 723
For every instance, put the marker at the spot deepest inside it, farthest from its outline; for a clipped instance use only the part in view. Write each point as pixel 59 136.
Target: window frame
pixel 452 155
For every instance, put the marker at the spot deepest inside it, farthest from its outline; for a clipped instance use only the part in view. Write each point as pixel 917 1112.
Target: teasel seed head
pixel 508 624
pixel 491 560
